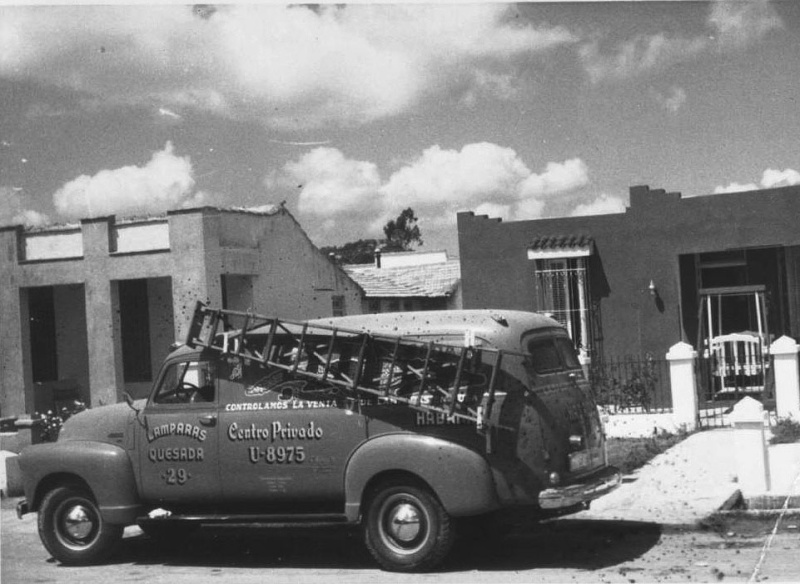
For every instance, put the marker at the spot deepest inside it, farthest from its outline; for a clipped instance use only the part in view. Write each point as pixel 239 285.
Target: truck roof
pixel 501 328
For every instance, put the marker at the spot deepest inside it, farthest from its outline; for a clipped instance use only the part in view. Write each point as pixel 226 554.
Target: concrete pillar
pixel 787 379
pixel 681 357
pixel 586 362
pixel 752 458
pixel 105 366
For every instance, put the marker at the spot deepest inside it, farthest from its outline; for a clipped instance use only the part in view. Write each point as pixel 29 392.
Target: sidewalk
pixel 694 479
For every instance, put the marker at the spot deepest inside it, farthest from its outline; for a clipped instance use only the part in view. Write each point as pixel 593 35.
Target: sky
pixel 351 113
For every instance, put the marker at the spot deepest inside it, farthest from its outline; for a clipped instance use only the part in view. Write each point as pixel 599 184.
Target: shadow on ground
pixel 579 544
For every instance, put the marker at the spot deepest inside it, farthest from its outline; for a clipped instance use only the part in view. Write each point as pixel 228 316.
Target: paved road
pixel 569 550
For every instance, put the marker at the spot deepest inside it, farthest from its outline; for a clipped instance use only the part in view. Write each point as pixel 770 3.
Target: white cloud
pixel 494 210
pixel 470 176
pixel 488 178
pixel 557 178
pixel 672 101
pixel 731 24
pixel 642 54
pixel 283 66
pixel 738 24
pixel 602 205
pixel 332 184
pixel 780 178
pixel 165 182
pixel 14 211
pixel 771 178
pixel 735 188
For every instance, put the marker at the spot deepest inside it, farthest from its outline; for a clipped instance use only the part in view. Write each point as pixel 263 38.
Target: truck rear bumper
pixel 22 508
pixel 591 488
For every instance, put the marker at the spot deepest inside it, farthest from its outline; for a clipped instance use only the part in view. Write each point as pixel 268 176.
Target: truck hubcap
pixel 77 524
pixel 404 523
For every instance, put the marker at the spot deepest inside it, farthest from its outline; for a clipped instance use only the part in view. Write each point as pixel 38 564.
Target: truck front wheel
pixel 406 528
pixel 72 529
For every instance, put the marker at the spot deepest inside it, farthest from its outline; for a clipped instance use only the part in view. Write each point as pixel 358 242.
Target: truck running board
pixel 451 380
pixel 255 520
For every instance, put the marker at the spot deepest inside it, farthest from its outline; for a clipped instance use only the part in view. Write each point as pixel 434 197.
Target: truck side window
pixel 189 382
pixel 551 355
pixel 544 356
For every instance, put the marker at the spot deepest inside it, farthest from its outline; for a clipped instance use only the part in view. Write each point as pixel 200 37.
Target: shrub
pixel 785 431
pixel 50 423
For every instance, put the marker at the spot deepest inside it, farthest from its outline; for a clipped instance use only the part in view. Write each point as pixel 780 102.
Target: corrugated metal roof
pixel 429 281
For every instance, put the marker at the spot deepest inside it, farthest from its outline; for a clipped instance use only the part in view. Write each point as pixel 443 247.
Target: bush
pixel 785 431
pixel 50 423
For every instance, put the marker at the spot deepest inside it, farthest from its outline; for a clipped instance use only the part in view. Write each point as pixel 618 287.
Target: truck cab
pixel 403 424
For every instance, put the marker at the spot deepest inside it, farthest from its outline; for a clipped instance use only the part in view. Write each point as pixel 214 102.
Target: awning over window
pixel 560 246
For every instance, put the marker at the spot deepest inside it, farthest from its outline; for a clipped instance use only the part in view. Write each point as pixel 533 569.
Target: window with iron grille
pixel 563 293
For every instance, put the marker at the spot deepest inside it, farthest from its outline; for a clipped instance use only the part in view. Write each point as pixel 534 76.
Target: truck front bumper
pixel 590 488
pixel 22 508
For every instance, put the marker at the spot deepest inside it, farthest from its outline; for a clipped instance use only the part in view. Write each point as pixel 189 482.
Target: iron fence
pixel 632 384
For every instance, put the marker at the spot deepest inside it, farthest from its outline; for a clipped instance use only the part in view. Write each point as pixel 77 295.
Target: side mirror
pixel 131 405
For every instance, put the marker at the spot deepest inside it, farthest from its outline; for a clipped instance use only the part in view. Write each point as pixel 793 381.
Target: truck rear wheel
pixel 406 528
pixel 72 529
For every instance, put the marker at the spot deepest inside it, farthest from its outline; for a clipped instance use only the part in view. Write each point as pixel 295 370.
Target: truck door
pixel 283 437
pixel 179 447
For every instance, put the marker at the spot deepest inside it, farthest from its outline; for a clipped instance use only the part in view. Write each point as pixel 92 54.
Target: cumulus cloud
pixel 475 173
pixel 14 211
pixel 731 25
pixel 780 178
pixel 557 178
pixel 488 178
pixel 770 179
pixel 165 182
pixel 602 205
pixel 333 184
pixel 285 66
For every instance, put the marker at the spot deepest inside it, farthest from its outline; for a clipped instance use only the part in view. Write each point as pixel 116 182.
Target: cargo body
pixel 403 423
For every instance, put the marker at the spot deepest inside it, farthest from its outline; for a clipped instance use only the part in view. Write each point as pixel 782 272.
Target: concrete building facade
pixel 668 269
pixel 90 310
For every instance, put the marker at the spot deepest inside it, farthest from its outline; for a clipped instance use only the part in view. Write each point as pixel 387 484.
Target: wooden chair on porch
pixel 738 362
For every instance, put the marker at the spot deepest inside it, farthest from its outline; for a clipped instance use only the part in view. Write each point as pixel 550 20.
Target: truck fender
pixel 104 468
pixel 461 478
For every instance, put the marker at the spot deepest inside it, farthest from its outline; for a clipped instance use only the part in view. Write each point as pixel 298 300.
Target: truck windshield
pixel 551 354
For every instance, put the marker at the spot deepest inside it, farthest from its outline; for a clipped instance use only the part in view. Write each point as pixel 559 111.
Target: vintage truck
pixel 410 425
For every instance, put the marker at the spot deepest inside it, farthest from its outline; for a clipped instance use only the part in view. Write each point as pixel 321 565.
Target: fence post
pixel 787 378
pixel 586 363
pixel 752 458
pixel 681 357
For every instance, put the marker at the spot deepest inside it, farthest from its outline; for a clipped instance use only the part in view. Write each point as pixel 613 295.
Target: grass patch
pixel 628 454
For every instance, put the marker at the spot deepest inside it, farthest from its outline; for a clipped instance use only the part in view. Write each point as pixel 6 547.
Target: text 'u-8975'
pixel 277 454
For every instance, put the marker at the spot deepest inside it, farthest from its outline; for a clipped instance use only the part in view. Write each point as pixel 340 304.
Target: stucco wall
pixel 632 248
pixel 291 279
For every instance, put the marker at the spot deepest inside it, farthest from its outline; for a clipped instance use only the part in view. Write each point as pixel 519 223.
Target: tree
pixel 401 233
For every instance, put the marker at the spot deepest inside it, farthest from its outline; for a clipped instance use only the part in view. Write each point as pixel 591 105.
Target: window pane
pixel 544 356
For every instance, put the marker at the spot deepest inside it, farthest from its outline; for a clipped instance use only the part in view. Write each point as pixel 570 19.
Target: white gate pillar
pixel 681 357
pixel 787 378
pixel 752 457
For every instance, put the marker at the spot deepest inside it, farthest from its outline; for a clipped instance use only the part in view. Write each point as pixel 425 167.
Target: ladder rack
pixel 457 382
